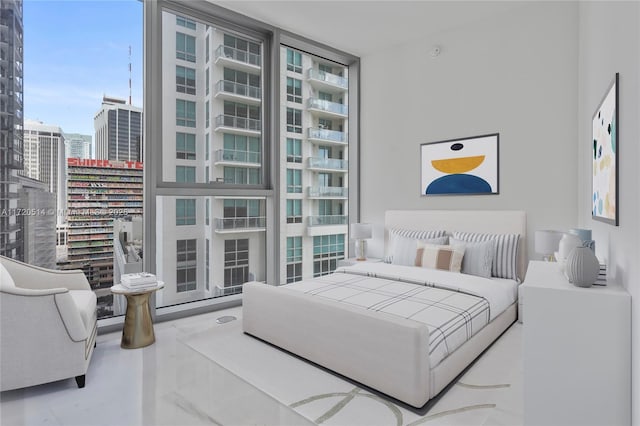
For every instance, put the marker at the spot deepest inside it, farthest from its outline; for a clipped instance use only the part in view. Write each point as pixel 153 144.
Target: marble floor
pixel 170 383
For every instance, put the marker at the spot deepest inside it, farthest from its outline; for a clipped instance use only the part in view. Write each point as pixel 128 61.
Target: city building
pixel 78 146
pixel 44 159
pixel 11 125
pixel 99 191
pixel 315 149
pixel 118 128
pixel 213 135
pixel 37 205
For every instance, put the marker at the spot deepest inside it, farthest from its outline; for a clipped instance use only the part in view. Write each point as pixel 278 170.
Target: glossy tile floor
pixel 171 383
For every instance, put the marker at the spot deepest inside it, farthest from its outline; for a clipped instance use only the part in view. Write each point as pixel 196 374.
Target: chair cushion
pixel 5 278
pixel 86 301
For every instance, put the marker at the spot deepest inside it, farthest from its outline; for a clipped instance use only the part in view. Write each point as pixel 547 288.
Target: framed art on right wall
pixel 604 197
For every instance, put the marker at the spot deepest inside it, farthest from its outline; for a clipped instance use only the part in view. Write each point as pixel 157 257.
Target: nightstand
pixel 577 350
pixel 353 261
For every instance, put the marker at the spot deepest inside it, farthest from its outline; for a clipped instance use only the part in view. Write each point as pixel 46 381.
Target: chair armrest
pixel 19 291
pixel 36 278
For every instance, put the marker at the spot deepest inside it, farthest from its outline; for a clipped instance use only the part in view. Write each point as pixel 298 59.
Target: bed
pixel 405 331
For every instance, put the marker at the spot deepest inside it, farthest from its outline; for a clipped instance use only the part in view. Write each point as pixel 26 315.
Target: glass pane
pixel 236 239
pixel 233 66
pixel 321 174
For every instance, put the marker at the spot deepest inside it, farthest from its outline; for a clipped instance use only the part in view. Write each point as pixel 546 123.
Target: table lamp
pixel 546 243
pixel 360 232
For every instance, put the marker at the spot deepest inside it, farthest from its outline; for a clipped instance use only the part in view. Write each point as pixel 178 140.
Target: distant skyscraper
pixel 11 123
pixel 39 226
pixel 78 146
pixel 44 158
pixel 118 127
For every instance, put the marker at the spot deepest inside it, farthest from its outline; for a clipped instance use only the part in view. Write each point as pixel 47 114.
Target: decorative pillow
pixel 478 257
pixel 447 258
pixel 505 255
pixel 404 249
pixel 412 234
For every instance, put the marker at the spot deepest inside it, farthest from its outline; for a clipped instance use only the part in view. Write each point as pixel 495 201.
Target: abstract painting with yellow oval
pixel 463 166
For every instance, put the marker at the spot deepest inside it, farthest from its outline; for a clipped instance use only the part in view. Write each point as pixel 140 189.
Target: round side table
pixel 138 327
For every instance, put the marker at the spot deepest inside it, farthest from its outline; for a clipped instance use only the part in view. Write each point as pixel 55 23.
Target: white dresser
pixel 577 351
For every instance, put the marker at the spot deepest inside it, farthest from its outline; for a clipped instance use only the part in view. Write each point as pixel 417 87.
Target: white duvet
pixel 500 293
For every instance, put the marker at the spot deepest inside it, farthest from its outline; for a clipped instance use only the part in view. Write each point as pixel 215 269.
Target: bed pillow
pixel 432 256
pixel 505 255
pixel 478 257
pixel 404 249
pixel 394 233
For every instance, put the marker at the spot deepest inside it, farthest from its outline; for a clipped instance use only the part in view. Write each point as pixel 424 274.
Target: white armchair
pixel 48 325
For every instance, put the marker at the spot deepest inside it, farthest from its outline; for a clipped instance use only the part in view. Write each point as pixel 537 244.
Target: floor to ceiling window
pixel 244 190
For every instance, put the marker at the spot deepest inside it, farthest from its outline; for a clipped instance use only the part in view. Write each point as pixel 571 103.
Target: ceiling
pixel 361 27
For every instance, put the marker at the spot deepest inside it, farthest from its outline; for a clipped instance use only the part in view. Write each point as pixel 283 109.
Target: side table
pixel 138 326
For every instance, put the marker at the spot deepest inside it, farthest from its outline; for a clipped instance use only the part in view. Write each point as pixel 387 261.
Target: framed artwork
pixel 604 200
pixel 466 166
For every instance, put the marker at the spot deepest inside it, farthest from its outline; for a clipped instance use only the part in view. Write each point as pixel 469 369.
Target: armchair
pixel 48 325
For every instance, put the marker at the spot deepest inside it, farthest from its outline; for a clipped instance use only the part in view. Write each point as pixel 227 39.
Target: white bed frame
pixel 382 351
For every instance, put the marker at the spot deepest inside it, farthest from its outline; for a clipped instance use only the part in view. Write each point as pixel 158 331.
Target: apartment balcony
pixel 238 125
pixel 237 92
pixel 238 59
pixel 240 224
pixel 326 81
pixel 231 157
pixel 327 109
pixel 336 192
pixel 326 137
pixel 325 220
pixel 327 164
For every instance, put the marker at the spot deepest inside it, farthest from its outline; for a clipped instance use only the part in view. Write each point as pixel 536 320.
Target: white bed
pixel 378 324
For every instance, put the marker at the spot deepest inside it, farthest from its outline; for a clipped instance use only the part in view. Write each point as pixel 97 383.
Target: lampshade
pixel 547 241
pixel 361 231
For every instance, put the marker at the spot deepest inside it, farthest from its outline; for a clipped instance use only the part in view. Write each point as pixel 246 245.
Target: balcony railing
pixel 238 122
pixel 327 135
pixel 234 156
pixel 328 220
pixel 326 163
pixel 227 223
pixel 238 55
pixel 328 106
pixel 327 191
pixel 232 87
pixel 326 77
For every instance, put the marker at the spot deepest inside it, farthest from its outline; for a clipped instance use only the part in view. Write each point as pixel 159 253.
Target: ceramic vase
pixel 582 267
pixel 567 243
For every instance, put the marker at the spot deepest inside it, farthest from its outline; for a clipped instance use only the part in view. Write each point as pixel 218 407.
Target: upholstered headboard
pixel 485 221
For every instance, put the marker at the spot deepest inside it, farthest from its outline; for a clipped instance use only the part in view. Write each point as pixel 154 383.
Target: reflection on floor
pixel 172 383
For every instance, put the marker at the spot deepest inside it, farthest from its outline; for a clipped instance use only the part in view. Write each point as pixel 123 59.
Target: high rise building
pixel 98 192
pixel 78 146
pixel 212 131
pixel 44 159
pixel 118 127
pixel 314 148
pixel 11 126
pixel 38 206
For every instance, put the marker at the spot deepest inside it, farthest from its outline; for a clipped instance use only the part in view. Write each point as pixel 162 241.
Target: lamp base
pixel 361 247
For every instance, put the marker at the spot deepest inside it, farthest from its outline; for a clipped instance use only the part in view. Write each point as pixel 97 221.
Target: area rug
pixel 488 393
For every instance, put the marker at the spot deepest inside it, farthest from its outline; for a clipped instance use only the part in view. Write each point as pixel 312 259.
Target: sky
pixel 76 51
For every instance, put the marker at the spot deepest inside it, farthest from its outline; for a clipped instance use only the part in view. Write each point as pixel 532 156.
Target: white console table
pixel 577 351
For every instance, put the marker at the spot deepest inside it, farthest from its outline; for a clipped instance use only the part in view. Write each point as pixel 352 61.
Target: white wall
pixel 610 43
pixel 514 74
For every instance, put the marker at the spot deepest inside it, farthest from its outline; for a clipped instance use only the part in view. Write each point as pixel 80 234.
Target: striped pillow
pixel 408 233
pixel 446 258
pixel 505 258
